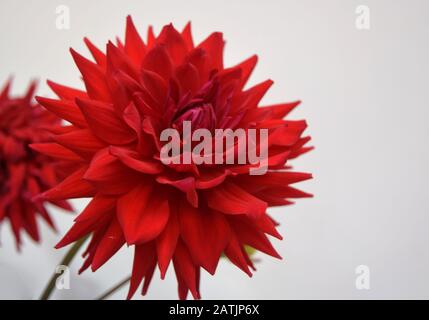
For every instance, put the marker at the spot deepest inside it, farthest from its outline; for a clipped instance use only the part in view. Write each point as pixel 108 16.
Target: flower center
pixel 200 114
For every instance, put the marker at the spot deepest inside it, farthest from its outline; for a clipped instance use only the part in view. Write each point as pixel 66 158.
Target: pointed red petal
pixel 157 60
pixel 186 271
pixel 82 142
pixel 250 98
pixel 143 214
pixel 111 242
pixel 188 77
pixel 130 159
pixel 247 233
pixel 72 187
pixel 55 150
pixel 214 45
pixel 93 76
pixel 67 93
pixel 105 123
pixel 166 242
pixel 235 253
pixel 99 206
pixel 206 234
pixel 134 45
pixel 97 54
pixel 144 256
pixel 64 109
pixel 176 46
pixel 187 36
pixel 110 175
pixel 231 199
pixel 246 68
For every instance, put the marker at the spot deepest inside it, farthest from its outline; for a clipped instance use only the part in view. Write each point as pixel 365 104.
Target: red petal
pixel 210 178
pixel 278 178
pixel 4 94
pixel 82 142
pixel 174 43
pixel 214 46
pixel 30 92
pixel 150 37
pixel 130 159
pixel 118 60
pixel 134 45
pixel 111 242
pixel 55 150
pixel 231 199
pixel 105 123
pixel 187 36
pixel 109 174
pixel 235 253
pixel 72 187
pixel 98 55
pixel 200 59
pixel 156 86
pixel 186 271
pixel 166 242
pixel 67 93
pixel 188 78
pixel 249 234
pixel 94 217
pixel 267 225
pixel 148 276
pixel 280 111
pixel 205 233
pixel 96 208
pixel 13 149
pixel 186 185
pixel 144 257
pixel 143 214
pixel 64 109
pixel 93 76
pixel 157 60
pixel 246 68
pixel 250 98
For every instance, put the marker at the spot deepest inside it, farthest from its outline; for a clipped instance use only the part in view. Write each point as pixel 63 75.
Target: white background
pixel 365 96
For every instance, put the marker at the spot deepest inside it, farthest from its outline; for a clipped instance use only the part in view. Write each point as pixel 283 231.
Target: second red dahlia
pixel 23 172
pixel 185 213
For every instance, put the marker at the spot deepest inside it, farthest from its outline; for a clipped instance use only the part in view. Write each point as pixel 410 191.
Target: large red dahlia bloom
pixel 23 172
pixel 188 214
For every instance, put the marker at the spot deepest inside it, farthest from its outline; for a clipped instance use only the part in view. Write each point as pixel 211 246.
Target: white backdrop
pixel 365 95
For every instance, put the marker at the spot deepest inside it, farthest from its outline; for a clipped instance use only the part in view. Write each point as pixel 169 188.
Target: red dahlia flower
pixel 23 172
pixel 189 214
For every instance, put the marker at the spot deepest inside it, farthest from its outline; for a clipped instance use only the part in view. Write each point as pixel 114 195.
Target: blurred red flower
pixel 23 172
pixel 185 213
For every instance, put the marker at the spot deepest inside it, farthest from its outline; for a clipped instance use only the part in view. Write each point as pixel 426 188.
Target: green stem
pixel 65 262
pixel 115 288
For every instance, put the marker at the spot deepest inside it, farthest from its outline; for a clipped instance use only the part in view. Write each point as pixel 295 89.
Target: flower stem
pixel 65 262
pixel 115 288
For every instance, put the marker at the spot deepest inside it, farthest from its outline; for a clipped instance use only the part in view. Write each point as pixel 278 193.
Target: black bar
pixel 214 309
